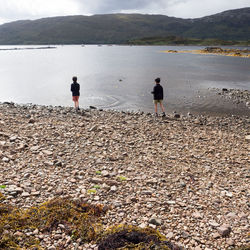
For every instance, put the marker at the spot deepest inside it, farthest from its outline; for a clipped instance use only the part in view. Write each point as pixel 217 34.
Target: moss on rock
pixel 81 220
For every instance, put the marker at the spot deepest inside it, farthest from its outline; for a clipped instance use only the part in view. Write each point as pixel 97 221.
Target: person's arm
pixel 71 88
pixel 153 90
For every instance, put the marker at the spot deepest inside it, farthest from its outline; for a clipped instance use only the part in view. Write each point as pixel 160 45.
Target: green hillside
pixel 124 28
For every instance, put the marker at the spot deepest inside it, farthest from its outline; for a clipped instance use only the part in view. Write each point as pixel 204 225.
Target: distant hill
pixel 122 28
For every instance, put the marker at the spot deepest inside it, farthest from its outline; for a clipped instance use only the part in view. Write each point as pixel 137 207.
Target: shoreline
pixel 237 95
pixel 28 48
pixel 215 51
pixel 232 96
pixel 188 173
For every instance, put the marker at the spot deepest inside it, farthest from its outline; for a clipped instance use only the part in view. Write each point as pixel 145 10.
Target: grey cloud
pixel 111 6
pixel 11 10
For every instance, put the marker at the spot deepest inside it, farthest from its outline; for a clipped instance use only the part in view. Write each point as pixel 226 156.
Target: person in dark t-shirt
pixel 158 96
pixel 75 89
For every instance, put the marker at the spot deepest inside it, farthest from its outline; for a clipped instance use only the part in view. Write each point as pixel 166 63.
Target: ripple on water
pixel 102 101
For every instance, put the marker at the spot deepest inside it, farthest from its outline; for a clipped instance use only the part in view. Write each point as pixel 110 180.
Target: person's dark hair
pixel 157 80
pixel 74 78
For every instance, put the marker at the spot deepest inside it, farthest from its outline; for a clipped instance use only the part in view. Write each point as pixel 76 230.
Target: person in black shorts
pixel 75 89
pixel 158 96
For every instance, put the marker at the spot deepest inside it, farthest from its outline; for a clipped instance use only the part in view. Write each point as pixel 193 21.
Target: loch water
pixel 122 77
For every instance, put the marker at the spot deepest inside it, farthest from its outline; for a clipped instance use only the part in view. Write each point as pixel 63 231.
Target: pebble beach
pixel 186 176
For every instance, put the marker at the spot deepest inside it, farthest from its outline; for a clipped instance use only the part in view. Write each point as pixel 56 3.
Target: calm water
pixel 122 77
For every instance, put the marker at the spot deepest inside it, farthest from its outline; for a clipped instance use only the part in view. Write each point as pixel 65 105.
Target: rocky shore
pixel 237 95
pixel 188 177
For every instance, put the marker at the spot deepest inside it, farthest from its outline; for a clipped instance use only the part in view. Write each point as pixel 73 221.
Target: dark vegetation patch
pixel 2 197
pixel 80 220
pixel 179 40
pixel 131 237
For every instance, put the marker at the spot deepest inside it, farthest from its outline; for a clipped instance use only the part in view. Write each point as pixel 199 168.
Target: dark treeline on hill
pixel 233 25
pixel 177 40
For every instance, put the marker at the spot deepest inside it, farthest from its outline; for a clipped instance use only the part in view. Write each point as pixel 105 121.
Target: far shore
pixel 28 48
pixel 216 51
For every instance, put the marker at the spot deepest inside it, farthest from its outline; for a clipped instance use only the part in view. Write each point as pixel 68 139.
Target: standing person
pixel 158 96
pixel 75 89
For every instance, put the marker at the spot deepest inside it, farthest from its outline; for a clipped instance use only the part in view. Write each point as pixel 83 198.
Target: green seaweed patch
pixel 122 178
pixel 132 237
pixel 96 187
pixel 91 191
pixel 98 172
pixel 2 186
pixel 9 241
pixel 81 221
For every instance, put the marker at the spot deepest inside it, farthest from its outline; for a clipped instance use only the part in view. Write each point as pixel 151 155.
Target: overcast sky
pixel 12 10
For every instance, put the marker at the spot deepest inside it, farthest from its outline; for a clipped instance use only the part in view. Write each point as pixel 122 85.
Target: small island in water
pixel 215 51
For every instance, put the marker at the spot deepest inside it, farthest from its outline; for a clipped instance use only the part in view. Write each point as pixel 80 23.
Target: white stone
pixel 143 225
pixel 5 159
pixel 113 188
pixel 247 137
pixel 25 194
pixel 213 223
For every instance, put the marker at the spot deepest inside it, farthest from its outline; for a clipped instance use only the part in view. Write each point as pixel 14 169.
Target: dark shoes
pixel 163 114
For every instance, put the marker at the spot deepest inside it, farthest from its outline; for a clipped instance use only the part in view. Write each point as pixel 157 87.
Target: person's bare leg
pixel 162 107
pixel 156 108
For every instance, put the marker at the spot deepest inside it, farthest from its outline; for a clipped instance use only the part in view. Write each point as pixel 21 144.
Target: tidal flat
pixel 187 177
